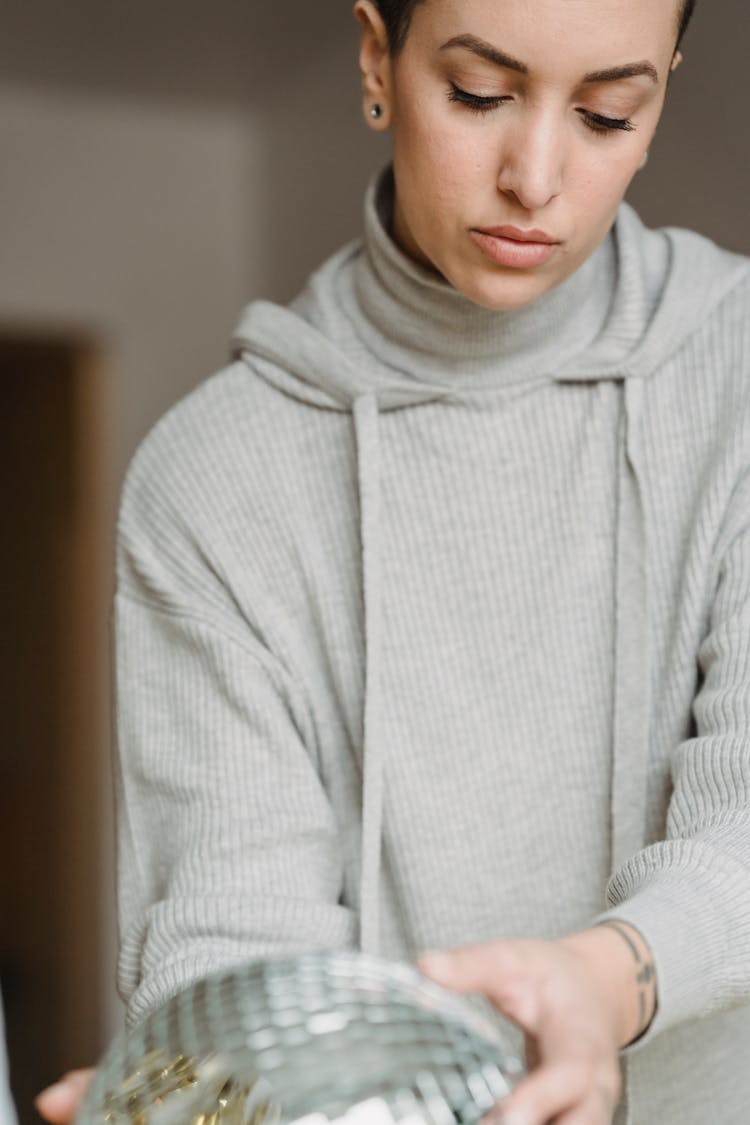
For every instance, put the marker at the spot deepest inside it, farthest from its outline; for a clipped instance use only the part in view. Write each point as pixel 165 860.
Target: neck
pixel 414 321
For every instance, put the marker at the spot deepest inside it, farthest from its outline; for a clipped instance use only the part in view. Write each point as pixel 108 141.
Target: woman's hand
pixel 60 1103
pixel 579 1000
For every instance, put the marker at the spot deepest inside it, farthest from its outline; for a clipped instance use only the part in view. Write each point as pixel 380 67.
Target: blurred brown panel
pixel 49 765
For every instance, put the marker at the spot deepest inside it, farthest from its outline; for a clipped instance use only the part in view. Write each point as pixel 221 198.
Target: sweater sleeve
pixel 689 894
pixel 228 848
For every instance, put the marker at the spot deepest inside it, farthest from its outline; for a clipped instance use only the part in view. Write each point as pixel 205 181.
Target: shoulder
pixel 715 280
pixel 692 302
pixel 195 435
pixel 230 459
pixel 671 246
pixel 209 457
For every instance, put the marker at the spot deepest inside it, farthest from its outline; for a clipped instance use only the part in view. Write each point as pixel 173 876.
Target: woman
pixel 433 612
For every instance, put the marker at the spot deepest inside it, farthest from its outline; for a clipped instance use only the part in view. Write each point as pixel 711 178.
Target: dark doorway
pixel 49 716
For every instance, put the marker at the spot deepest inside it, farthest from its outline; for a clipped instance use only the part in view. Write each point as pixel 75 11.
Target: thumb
pixel 61 1102
pixel 495 970
pixel 470 968
pixel 438 965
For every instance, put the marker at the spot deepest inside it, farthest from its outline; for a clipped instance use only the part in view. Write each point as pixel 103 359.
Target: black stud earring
pixel 376 111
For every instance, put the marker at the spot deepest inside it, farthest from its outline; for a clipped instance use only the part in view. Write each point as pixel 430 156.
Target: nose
pixel 532 160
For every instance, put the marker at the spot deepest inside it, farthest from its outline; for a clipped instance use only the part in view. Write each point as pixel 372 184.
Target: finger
pixel 598 1110
pixel 494 969
pixel 60 1103
pixel 470 966
pixel 569 1087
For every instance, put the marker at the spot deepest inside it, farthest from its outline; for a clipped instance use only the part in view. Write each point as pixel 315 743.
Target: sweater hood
pixel 372 331
pixel 372 321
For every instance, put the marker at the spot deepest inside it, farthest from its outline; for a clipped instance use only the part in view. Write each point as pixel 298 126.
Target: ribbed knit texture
pixel 484 578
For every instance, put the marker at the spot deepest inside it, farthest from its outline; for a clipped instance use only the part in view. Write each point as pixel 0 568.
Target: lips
pixel 513 248
pixel 518 235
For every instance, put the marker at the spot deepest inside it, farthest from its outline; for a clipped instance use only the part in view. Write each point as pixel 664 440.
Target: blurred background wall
pixel 163 164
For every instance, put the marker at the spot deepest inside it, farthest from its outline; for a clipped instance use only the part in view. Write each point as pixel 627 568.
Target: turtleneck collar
pixel 412 320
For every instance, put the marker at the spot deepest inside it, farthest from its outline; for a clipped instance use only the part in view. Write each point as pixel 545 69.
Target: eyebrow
pixel 499 58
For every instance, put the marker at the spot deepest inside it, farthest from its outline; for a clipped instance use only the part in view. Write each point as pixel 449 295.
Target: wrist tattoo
pixel 645 976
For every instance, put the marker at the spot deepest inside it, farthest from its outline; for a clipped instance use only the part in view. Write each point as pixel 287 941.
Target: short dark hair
pixel 397 18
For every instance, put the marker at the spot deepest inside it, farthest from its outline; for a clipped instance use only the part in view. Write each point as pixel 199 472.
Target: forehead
pixel 588 34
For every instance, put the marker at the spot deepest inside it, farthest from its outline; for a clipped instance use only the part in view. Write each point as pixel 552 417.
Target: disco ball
pixel 317 1039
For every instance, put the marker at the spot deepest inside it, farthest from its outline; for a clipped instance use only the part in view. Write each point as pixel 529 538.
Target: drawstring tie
pixel 632 677
pixel 631 665
pixel 631 703
pixel 368 455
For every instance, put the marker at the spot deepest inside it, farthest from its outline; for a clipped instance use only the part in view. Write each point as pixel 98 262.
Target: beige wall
pixel 699 171
pixel 129 225
pixel 133 223
pixel 155 180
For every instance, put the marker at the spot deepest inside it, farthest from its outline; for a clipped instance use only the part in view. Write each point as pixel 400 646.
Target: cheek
pixel 596 187
pixel 440 148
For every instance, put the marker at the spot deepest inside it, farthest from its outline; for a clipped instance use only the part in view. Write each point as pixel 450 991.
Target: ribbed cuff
pixel 686 926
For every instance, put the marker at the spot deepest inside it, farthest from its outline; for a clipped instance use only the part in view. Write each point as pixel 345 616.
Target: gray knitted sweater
pixel 433 627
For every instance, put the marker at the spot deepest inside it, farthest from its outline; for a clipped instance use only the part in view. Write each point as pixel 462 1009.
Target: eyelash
pixel 595 121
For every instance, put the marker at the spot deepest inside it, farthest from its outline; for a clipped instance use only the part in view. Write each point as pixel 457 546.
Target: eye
pixel 599 124
pixel 474 102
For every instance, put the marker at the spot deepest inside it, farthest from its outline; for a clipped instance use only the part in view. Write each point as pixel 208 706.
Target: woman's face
pixel 528 114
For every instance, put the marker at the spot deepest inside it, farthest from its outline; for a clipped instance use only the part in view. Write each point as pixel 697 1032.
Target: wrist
pixel 622 968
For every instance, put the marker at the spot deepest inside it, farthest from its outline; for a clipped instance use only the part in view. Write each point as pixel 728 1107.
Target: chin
pixel 503 294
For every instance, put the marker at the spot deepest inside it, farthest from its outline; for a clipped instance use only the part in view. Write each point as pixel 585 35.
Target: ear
pixel 374 65
pixel 676 60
